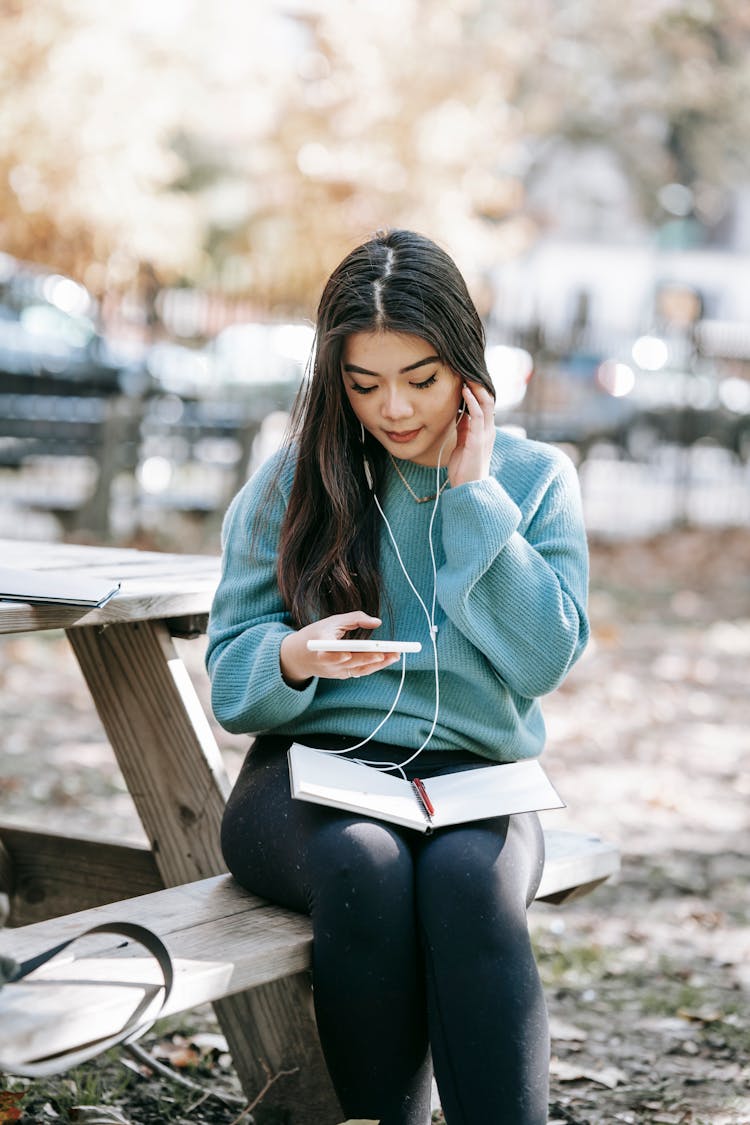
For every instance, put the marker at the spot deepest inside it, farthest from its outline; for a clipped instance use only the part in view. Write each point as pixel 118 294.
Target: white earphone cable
pixel 432 627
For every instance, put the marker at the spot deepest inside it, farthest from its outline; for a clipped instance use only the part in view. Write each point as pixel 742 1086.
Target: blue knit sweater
pixel 512 572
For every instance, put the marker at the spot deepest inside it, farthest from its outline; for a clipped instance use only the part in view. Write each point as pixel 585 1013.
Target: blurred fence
pixel 655 448
pixel 186 465
pixel 118 465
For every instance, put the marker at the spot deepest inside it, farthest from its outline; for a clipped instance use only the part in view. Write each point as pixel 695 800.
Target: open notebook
pixel 475 794
pixel 56 587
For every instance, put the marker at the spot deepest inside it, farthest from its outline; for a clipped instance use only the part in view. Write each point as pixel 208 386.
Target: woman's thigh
pixel 480 873
pixel 294 852
pixel 500 855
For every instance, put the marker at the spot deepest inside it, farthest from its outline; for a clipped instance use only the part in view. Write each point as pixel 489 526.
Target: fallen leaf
pixel 178 1051
pixel 9 1102
pixel 98 1115
pixel 608 1076
pixel 184 1056
pixel 705 1015
pixel 566 1032
pixel 206 1042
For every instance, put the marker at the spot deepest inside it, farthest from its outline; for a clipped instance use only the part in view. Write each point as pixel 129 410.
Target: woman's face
pixel 402 394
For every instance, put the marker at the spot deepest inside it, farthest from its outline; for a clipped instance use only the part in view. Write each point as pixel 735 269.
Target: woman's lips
pixel 406 435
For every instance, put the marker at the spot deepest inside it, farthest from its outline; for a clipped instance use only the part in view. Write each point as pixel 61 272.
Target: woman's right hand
pixel 298 664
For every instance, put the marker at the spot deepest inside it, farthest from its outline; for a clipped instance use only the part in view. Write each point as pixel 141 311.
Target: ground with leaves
pixel 647 979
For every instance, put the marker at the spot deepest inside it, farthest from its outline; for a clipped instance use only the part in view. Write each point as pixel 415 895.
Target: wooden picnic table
pixel 169 759
pixel 174 772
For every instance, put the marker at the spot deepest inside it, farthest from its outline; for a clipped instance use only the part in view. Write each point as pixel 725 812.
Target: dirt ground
pixel 648 977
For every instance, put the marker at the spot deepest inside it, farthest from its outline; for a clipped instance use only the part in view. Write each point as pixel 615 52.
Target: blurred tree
pixel 663 86
pixel 247 146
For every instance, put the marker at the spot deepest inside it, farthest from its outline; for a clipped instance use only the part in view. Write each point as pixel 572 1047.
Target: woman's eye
pixel 360 390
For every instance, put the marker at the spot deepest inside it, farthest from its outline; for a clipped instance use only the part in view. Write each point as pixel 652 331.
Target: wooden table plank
pixel 153 585
pixel 19 617
pixel 167 912
pixel 35 555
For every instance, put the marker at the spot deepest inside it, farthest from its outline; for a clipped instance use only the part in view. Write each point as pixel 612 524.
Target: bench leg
pixel 7 883
pixel 173 769
pixel 275 1028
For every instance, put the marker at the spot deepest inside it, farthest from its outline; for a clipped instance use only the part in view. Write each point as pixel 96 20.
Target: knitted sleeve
pixel 248 621
pixel 516 572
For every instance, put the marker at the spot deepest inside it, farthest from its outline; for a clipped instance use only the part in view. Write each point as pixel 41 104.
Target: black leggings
pixel 420 942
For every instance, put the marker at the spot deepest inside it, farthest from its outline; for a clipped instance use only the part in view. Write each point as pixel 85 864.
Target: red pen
pixel 424 800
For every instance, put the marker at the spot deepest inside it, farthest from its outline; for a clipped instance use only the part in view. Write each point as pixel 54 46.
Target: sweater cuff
pixel 268 670
pixel 274 702
pixel 480 513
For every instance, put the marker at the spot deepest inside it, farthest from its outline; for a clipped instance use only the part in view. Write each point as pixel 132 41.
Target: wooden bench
pixel 114 435
pixel 83 423
pixel 222 941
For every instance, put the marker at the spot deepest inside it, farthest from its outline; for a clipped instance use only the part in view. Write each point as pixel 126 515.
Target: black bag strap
pixel 141 1019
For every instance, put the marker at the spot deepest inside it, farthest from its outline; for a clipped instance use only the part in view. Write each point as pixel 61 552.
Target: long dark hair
pixel 329 544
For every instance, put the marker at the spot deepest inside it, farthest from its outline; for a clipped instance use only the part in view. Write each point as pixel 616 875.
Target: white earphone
pixel 365 462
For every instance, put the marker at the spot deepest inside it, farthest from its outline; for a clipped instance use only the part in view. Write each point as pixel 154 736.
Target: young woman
pixel 397 510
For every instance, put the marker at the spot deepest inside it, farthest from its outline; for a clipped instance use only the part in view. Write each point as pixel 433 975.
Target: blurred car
pixel 255 361
pixel 680 398
pixel 211 402
pixel 643 394
pixel 179 370
pixel 510 369
pixel 49 341
pixel 563 402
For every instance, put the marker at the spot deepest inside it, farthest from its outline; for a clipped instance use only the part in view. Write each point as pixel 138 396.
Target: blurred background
pixel 178 179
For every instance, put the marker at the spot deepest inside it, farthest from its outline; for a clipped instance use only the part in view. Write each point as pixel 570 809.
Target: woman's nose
pixel 397 405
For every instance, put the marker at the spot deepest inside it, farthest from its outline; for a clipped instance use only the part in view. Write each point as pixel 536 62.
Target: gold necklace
pixel 410 490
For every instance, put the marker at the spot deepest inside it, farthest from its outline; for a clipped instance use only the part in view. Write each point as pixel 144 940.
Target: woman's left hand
pixel 475 430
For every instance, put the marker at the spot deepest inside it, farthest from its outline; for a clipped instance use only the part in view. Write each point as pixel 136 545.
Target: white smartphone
pixel 364 646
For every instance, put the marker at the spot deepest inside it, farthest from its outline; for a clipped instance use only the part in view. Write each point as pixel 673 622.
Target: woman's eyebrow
pixel 352 367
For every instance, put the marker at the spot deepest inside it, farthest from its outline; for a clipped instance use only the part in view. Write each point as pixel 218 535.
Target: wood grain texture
pixel 153 585
pixel 216 908
pixel 57 875
pixel 162 741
